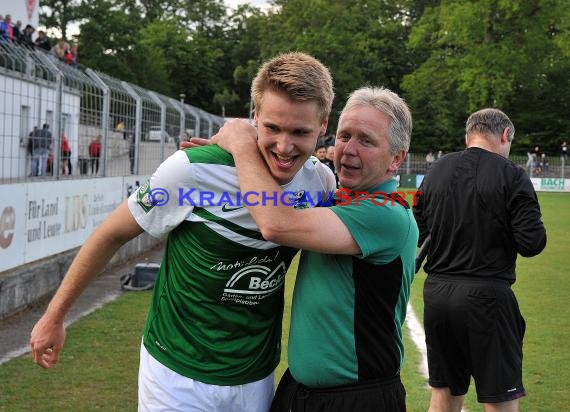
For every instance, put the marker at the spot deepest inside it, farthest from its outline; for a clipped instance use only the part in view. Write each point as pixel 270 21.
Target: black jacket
pixel 480 210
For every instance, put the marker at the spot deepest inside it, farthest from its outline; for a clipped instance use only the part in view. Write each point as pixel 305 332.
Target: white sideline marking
pixel 419 338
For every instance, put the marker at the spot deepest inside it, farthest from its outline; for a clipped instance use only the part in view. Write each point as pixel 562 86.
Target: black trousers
pixel 380 395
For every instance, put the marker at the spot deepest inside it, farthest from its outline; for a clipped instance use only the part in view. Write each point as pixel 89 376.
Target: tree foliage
pixel 447 58
pixel 489 53
pixel 59 14
pixel 361 42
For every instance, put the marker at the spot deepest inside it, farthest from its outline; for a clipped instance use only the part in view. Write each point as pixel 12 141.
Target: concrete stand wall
pixel 25 285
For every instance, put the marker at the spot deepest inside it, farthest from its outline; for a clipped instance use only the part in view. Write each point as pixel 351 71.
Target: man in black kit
pixel 480 211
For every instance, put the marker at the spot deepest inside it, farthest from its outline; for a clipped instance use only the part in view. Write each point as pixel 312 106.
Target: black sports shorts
pixel 474 328
pixel 386 395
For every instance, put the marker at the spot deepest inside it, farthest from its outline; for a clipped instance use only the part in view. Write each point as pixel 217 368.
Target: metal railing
pixel 416 163
pixel 138 128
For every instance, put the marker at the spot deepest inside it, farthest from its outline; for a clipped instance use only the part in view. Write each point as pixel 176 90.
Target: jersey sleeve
pixel 379 231
pixel 167 198
pixel 523 208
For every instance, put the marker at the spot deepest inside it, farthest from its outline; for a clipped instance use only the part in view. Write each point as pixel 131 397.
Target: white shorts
pixel 162 389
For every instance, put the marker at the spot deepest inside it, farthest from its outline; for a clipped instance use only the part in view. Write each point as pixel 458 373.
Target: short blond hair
pixel 299 76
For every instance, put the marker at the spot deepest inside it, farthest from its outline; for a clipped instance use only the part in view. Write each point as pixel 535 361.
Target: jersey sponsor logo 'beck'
pixel 251 284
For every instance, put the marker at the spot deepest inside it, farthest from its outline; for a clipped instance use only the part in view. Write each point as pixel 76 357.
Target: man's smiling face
pixel 287 133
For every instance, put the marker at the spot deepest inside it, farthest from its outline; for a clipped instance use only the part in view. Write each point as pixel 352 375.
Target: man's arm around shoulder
pixel 317 229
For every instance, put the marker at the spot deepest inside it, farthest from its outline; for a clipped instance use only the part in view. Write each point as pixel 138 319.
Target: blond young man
pixel 213 333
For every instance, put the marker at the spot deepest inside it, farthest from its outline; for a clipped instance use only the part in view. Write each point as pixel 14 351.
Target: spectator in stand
pixel 17 31
pixel 544 162
pixel 536 152
pixel 70 55
pixel 42 41
pixel 95 154
pixel 41 144
pixel 73 55
pixel 321 152
pixel 536 165
pixel 29 148
pixel 6 29
pixel 65 156
pixel 26 39
pixel 59 50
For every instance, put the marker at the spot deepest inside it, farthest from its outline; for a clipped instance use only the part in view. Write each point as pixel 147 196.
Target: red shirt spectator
pixel 94 154
pixel 65 156
pixel 95 147
pixel 65 145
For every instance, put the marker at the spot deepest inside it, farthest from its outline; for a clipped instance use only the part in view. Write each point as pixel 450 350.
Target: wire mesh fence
pixel 60 121
pixel 549 167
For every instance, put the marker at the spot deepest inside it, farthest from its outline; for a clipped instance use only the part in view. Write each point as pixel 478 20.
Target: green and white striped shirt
pixel 217 304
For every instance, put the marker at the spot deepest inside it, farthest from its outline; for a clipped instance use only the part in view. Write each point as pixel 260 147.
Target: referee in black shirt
pixel 480 210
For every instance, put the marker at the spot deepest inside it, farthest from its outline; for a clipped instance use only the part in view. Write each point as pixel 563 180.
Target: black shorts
pixel 386 395
pixel 474 328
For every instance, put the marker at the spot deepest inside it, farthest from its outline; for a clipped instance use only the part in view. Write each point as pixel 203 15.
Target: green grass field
pixel 98 367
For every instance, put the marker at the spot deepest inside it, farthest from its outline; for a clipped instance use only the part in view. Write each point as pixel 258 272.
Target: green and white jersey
pixel 217 304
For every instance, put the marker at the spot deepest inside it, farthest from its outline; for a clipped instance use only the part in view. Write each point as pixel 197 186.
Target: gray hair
pixel 491 122
pixel 388 102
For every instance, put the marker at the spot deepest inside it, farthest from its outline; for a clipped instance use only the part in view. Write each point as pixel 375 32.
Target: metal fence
pixel 555 167
pixel 137 128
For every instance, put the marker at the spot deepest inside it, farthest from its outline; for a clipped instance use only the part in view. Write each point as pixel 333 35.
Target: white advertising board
pixel 12 226
pixel 60 215
pixel 551 184
pixel 39 219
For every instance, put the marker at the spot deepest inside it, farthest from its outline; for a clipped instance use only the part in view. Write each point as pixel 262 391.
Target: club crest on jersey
pixel 300 200
pixel 143 197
